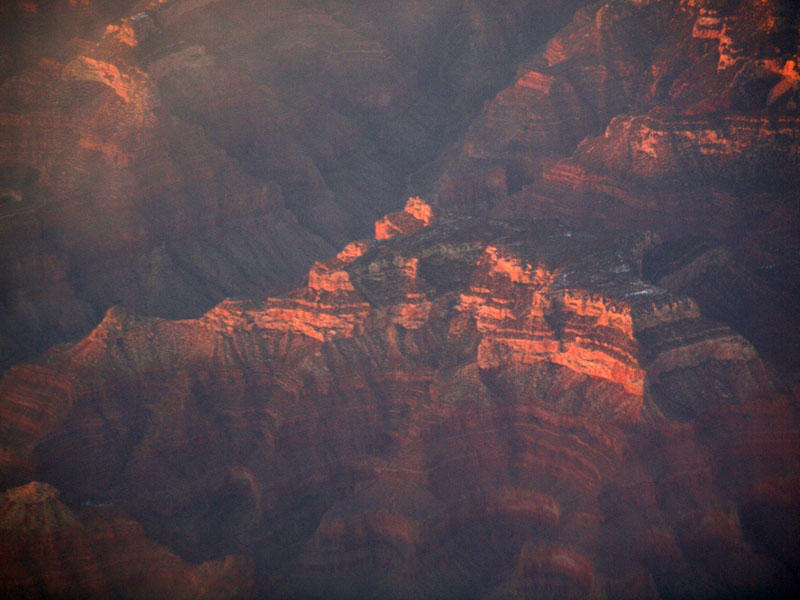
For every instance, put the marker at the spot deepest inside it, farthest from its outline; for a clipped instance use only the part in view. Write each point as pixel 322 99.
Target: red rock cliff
pixel 474 405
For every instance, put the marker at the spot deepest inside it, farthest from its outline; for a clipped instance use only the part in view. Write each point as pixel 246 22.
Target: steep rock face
pixel 473 408
pixel 166 155
pixel 679 117
pixel 415 215
pixel 752 148
pixel 726 285
pixel 47 551
pixel 623 67
pixel 329 307
pixel 122 223
pixel 460 407
pixel 535 322
pixel 587 73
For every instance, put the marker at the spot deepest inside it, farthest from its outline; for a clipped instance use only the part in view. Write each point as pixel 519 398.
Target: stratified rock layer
pixel 678 117
pixel 164 155
pixel 462 407
pixel 476 408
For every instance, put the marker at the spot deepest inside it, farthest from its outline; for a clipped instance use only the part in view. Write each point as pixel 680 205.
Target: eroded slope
pixel 470 407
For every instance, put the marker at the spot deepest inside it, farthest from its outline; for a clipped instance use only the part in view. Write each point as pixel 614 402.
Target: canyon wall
pixel 167 155
pixel 565 368
pixel 473 407
pixel 677 117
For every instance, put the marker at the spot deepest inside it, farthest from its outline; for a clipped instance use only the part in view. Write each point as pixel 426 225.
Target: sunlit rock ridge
pixel 447 299
pixel 164 155
pixel 468 406
pixel 680 117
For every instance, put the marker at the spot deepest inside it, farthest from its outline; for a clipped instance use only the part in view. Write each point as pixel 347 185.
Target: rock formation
pixel 164 155
pixel 416 215
pixel 678 117
pixel 472 408
pixel 565 369
pixel 49 551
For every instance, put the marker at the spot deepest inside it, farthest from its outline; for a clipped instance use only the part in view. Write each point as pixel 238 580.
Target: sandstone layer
pixel 164 155
pixel 571 373
pixel 475 408
pixel 678 117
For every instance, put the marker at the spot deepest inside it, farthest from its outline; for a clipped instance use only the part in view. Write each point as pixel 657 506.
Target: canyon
pixel 382 300
pixel 165 155
pixel 676 117
pixel 468 407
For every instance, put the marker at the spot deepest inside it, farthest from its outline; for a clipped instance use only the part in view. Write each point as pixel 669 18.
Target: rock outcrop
pixel 677 117
pixel 568 372
pixel 645 75
pixel 535 321
pixel 49 551
pixel 416 215
pixel 473 407
pixel 166 155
